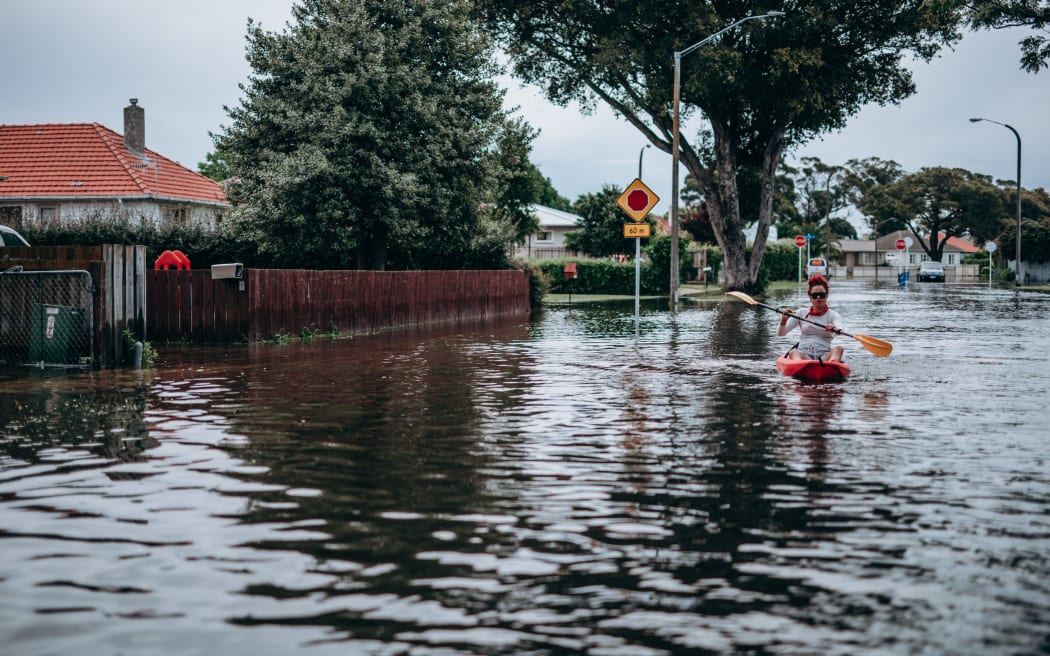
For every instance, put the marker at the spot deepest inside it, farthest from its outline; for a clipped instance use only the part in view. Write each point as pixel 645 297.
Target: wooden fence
pixel 189 306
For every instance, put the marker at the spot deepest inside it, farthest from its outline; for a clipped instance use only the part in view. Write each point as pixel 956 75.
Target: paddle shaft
pixel 792 314
pixel 876 346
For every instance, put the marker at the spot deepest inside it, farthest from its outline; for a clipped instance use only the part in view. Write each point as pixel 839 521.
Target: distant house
pixel 861 256
pixel 68 172
pixel 549 241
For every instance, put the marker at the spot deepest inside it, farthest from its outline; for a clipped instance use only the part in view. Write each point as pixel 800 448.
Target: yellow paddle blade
pixel 875 346
pixel 744 297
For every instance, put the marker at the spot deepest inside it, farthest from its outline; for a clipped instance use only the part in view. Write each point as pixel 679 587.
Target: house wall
pixel 552 248
pixel 135 211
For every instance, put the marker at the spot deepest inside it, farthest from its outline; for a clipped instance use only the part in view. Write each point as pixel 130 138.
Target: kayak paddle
pixel 876 346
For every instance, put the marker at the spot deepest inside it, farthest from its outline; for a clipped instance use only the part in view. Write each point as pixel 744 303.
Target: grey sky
pixel 68 61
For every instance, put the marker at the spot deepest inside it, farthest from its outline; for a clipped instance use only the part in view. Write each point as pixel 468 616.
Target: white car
pixel 930 271
pixel 10 237
pixel 817 265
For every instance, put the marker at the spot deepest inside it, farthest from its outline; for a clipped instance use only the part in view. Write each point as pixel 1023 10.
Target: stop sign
pixel 638 200
pixel 901 245
pixel 800 241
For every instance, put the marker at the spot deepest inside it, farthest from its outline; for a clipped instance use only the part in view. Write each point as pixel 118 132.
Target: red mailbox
pixel 569 272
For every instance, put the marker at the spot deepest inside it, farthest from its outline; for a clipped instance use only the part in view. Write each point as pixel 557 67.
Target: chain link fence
pixel 46 318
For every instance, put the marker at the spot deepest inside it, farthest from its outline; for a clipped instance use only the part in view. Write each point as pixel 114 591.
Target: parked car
pixel 931 271
pixel 10 237
pixel 817 265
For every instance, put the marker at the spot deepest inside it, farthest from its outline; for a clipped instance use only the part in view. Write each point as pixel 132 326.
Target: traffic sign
pixel 990 246
pixel 637 200
pixel 901 244
pixel 636 230
pixel 800 241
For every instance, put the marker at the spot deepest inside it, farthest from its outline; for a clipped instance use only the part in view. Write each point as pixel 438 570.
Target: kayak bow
pixel 813 371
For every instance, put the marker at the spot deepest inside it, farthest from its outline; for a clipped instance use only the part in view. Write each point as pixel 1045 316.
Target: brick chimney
pixel 135 127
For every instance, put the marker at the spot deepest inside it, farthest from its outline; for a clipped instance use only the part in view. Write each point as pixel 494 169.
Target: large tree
pixel 762 87
pixel 368 136
pixel 938 203
pixel 1004 14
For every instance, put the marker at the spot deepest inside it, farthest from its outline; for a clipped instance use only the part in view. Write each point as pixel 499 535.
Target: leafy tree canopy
pixel 370 134
pixel 1000 14
pixel 937 203
pixel 762 87
pixel 215 167
pixel 601 225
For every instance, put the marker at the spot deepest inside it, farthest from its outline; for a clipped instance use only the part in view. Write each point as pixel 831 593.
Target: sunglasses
pixel 819 295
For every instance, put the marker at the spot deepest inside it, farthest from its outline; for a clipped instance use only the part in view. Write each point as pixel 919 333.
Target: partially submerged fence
pixel 46 318
pixel 190 306
pixel 110 293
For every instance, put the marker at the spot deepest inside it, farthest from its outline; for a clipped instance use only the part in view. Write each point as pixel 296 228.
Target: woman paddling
pixel 815 343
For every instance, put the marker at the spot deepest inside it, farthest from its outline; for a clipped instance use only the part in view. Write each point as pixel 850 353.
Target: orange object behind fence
pixel 172 260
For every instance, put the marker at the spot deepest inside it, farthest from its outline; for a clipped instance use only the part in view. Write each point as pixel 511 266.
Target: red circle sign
pixel 800 241
pixel 901 245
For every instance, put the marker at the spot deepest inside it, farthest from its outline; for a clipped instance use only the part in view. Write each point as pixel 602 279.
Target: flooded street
pixel 553 486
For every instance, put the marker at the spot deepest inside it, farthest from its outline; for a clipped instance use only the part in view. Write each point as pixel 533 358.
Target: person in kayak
pixel 815 343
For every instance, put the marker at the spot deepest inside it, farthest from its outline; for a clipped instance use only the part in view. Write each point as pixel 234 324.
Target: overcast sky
pixel 69 61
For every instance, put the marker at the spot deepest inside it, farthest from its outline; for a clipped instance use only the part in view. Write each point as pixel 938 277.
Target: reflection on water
pixel 550 487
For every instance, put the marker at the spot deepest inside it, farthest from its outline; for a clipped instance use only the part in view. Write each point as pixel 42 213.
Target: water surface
pixel 553 486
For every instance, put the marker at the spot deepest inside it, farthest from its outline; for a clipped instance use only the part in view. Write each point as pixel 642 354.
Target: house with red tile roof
pixel 68 172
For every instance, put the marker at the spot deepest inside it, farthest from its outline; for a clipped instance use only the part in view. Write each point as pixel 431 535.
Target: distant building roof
pixel 964 245
pixel 888 243
pixel 552 218
pixel 88 160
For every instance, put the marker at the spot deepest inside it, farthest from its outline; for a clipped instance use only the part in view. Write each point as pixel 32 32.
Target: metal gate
pixel 46 318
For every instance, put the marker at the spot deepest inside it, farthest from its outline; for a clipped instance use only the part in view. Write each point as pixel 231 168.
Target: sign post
pixel 800 241
pixel 637 200
pixel 901 245
pixel 990 247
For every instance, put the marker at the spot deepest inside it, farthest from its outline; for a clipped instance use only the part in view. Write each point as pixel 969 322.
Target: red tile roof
pixel 963 245
pixel 77 160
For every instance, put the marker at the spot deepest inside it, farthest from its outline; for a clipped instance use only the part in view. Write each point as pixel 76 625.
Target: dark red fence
pixel 189 306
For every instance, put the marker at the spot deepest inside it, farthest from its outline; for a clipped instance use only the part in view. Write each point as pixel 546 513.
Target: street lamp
pixel 674 145
pixel 1017 254
pixel 640 153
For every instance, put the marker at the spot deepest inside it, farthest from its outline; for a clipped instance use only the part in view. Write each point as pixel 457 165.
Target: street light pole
pixel 640 153
pixel 1017 254
pixel 674 142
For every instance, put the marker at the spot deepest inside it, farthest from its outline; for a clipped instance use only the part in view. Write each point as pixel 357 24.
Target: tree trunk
pixel 723 198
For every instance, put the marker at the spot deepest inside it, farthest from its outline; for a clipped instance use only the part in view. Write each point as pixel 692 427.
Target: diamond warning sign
pixel 637 200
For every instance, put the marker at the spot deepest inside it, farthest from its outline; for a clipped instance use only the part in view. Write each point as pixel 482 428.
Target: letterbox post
pixel 569 273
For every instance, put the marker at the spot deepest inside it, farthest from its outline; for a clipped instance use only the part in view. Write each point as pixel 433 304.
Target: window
pixel 177 215
pixel 48 217
pixel 949 258
pixel 544 236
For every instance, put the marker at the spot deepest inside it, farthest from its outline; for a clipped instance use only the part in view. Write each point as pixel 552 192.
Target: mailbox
pixel 569 272
pixel 234 270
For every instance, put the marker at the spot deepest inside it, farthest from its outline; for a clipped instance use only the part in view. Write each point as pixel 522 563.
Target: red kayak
pixel 813 371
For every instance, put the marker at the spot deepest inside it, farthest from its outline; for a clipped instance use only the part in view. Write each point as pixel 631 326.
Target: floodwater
pixel 553 486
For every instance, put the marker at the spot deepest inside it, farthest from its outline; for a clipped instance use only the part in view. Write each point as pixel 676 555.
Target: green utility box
pixel 58 335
